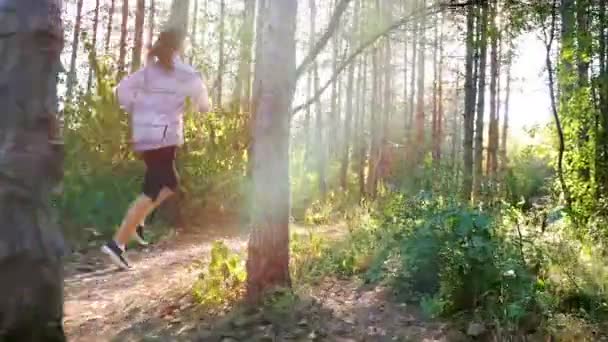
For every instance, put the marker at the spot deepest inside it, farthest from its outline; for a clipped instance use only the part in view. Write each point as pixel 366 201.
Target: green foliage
pixel 528 175
pixel 223 279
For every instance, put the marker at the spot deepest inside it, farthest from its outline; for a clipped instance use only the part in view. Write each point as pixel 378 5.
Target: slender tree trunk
pixel 139 35
pixel 420 103
pixel 387 107
pixel 348 115
pixel 440 110
pixel 221 63
pixel 334 117
pixel 410 136
pixel 406 114
pixel 179 16
pixel 274 85
pixel 456 128
pixel 469 106
pixel 123 38
pixel 110 25
pixel 152 21
pixel 93 51
pixel 584 41
pixel 375 126
pixel 194 32
pixel 310 147
pixel 31 245
pixel 505 120
pixel 72 79
pixel 435 112
pixel 479 125
pixel 320 148
pixel 554 110
pixel 602 149
pixel 491 163
pixel 243 83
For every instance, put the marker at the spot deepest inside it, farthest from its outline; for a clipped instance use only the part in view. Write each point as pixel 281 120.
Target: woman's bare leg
pixel 137 213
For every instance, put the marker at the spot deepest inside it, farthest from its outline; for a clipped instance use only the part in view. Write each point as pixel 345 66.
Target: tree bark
pixel 505 120
pixel 110 25
pixel 406 113
pixel 194 32
pixel 274 86
pixel 179 17
pixel 31 245
pixel 420 133
pixel 362 145
pixel 243 93
pixel 554 110
pixel 221 64
pixel 123 39
pixel 348 115
pixel 152 21
pixel 139 35
pixel 479 124
pixel 72 76
pixel 492 156
pixel 320 148
pixel 375 127
pixel 93 44
pixel 469 107
pixel 334 116
pixel 412 99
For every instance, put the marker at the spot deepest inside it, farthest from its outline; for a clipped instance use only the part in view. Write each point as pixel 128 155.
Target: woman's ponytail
pixel 165 47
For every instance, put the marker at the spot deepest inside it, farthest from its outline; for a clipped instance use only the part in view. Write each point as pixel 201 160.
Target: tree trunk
pixel 72 76
pixel 479 125
pixel 334 116
pixel 374 127
pixel 110 25
pixel 152 21
pixel 93 51
pixel 274 85
pixel 320 148
pixel 179 16
pixel 362 145
pixel 505 120
pixel 410 137
pixel 602 149
pixel 194 32
pixel 221 64
pixel 139 35
pixel 406 113
pixel 31 245
pixel 435 112
pixel 243 93
pixel 492 163
pixel 420 104
pixel 123 39
pixel 469 107
pixel 440 111
pixel 584 42
pixel 348 115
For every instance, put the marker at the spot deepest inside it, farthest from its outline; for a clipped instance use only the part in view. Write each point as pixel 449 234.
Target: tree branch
pixel 331 28
pixel 351 58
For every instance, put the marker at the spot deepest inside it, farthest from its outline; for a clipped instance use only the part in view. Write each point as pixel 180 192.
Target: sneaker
pixel 116 254
pixel 139 235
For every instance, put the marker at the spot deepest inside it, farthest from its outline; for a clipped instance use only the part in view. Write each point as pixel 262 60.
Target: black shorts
pixel 160 171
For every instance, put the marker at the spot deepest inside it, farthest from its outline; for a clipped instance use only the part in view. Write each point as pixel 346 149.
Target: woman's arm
pixel 200 95
pixel 128 89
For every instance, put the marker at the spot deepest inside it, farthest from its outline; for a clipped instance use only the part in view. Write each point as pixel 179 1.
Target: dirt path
pixel 101 301
pixel 152 302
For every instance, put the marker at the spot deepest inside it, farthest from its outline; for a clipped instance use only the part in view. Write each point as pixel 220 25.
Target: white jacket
pixel 156 100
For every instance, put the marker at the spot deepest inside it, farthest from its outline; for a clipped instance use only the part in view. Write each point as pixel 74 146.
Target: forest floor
pixel 154 301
